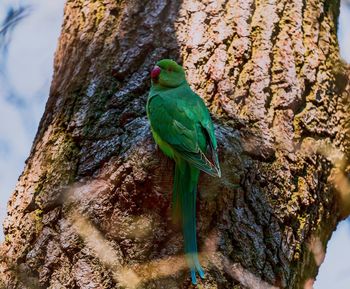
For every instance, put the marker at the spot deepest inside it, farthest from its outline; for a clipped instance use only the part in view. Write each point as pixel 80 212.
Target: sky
pixel 24 88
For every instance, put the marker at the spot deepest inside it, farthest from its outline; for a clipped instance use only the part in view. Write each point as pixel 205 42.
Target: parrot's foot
pixel 193 277
pixel 200 270
pixel 197 268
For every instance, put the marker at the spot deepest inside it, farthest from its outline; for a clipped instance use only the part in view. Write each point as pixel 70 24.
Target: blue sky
pixel 28 75
pixel 27 78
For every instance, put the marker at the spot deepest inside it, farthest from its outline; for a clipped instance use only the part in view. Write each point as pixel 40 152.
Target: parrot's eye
pixel 170 69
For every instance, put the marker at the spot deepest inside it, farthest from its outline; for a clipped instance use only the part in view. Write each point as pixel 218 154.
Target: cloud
pixel 343 30
pixel 30 59
pixel 334 272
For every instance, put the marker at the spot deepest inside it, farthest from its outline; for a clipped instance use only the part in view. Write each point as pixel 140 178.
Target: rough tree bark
pixel 269 71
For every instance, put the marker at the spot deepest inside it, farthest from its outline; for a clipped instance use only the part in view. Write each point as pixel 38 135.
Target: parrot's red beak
pixel 155 72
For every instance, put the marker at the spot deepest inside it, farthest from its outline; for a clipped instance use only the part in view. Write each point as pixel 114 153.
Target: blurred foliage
pixel 13 16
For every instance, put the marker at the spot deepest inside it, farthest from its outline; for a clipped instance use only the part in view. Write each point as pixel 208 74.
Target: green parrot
pixel 182 128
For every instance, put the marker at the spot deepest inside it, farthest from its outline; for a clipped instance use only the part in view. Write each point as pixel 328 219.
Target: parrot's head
pixel 167 73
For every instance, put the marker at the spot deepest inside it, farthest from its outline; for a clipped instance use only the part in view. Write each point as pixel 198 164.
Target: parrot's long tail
pixel 184 209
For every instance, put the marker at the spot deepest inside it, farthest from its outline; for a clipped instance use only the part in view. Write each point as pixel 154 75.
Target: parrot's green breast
pixel 163 145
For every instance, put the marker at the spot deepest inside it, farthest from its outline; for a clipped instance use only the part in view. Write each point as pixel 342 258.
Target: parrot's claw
pixel 201 273
pixel 193 277
pixel 199 269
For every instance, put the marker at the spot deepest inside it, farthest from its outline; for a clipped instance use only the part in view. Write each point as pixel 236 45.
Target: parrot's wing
pixel 203 114
pixel 210 136
pixel 170 119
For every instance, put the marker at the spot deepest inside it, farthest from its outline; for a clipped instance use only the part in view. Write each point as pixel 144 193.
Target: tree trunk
pixel 92 207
